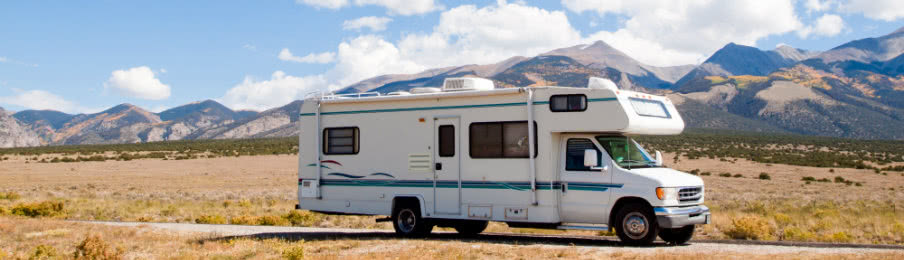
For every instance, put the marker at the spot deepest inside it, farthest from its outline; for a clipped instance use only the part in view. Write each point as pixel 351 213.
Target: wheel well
pixel 407 201
pixel 621 203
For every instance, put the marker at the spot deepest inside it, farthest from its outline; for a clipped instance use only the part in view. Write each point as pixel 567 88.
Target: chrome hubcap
pixel 635 225
pixel 407 220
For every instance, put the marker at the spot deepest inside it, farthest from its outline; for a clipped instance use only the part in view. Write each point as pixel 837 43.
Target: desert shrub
pixel 749 227
pixel 725 174
pixel 839 179
pixel 796 234
pixel 695 172
pixel 705 174
pixel 782 219
pixel 764 176
pixel 738 175
pixel 245 203
pixel 243 220
pixel 3 254
pixel 44 252
pixel 94 248
pixel 838 237
pixel 211 219
pixel 9 195
pixel 39 209
pixel 301 218
pixel 294 252
pixel 823 180
pixel 832 170
pixel 272 221
pixel 808 178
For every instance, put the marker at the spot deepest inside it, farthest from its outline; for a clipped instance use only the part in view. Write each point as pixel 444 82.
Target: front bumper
pixel 675 217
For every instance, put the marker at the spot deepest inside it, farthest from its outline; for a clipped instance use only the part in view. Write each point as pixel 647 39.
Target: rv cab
pixel 467 153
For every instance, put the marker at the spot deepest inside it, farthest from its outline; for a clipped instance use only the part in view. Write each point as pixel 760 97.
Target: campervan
pixel 468 153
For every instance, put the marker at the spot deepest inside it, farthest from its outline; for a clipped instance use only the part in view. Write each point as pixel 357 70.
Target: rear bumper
pixel 675 217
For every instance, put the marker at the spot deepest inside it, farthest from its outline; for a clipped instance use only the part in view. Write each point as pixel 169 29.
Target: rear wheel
pixel 471 227
pixel 407 221
pixel 636 225
pixel 677 236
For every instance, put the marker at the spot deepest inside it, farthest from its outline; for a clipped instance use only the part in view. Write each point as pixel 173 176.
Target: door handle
pixel 439 166
pixel 564 187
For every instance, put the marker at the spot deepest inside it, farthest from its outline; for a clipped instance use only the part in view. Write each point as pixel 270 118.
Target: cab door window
pixel 574 154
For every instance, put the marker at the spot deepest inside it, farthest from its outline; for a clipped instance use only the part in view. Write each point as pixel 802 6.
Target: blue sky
pixel 86 56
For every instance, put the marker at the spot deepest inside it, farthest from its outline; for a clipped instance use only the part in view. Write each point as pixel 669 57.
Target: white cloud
pixel 138 82
pixel 249 47
pixel 400 7
pixel 3 59
pixel 264 94
pixel 818 5
pixel 325 57
pixel 886 10
pixel 41 100
pixel 375 24
pixel 368 56
pixel 828 25
pixel 690 29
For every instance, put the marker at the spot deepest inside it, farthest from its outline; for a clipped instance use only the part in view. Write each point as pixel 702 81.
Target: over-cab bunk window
pixel 568 103
pixel 500 140
pixel 340 140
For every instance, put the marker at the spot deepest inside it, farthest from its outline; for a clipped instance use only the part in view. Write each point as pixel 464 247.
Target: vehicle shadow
pixel 496 238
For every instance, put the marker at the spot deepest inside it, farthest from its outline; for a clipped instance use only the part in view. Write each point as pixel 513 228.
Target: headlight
pixel 667 193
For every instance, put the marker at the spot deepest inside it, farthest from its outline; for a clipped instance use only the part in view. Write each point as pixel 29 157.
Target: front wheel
pixel 471 227
pixel 407 221
pixel 677 236
pixel 636 225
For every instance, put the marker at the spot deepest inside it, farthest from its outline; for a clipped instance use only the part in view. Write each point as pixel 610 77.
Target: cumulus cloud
pixel 42 100
pixel 280 89
pixel 688 30
pixel 827 25
pixel 818 5
pixel 138 82
pixel 375 24
pixel 886 10
pixel 400 7
pixel 325 57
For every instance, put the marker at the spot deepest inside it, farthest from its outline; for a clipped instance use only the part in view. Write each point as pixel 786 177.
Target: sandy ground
pixel 608 245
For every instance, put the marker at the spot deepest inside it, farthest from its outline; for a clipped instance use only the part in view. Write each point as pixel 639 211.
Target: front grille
pixel 690 194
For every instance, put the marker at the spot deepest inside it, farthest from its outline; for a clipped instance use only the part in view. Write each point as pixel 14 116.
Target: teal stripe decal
pixel 517 186
pixel 443 107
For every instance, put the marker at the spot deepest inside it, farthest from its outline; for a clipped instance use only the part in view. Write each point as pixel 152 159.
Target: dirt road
pixel 585 243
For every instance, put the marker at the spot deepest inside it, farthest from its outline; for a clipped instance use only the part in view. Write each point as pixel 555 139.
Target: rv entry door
pixel 446 174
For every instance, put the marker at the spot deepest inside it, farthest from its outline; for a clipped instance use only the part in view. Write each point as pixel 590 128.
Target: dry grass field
pixel 864 207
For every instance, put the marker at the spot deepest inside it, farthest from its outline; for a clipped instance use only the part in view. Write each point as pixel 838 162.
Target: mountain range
pixel 855 90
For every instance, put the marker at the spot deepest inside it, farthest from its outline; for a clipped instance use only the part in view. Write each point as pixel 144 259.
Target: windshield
pixel 626 152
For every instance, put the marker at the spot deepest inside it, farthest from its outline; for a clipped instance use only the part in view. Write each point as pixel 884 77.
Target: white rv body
pixel 395 153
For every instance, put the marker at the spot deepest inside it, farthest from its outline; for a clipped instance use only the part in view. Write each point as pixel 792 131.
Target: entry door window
pixel 446 141
pixel 574 154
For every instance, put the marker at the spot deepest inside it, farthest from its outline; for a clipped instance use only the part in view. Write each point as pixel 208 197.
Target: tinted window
pixel 446 141
pixel 568 103
pixel 342 140
pixel 574 154
pixel 500 140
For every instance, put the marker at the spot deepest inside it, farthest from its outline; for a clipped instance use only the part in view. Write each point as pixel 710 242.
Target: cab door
pixel 585 191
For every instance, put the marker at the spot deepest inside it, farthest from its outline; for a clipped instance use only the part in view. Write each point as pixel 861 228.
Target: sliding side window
pixel 340 140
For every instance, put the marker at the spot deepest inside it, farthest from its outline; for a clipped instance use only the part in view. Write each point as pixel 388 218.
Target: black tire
pixel 471 227
pixel 407 221
pixel 636 225
pixel 677 236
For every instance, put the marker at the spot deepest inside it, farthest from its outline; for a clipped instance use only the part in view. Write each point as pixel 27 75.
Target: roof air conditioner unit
pixel 464 84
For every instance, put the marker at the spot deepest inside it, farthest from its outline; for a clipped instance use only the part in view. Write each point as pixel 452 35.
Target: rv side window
pixel 500 140
pixel 568 103
pixel 446 141
pixel 574 154
pixel 340 140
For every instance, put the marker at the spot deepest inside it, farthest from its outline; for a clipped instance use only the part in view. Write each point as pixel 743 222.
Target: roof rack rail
pixel 332 96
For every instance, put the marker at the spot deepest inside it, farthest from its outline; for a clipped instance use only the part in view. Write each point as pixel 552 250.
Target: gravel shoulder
pixel 222 232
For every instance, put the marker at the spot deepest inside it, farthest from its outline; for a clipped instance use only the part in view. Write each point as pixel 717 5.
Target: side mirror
pixel 658 158
pixel 590 158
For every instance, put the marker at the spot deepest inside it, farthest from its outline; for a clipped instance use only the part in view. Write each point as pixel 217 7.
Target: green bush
pixel 94 248
pixel 705 174
pixel 738 175
pixel 9 195
pixel 211 219
pixel 839 179
pixel 294 252
pixel 764 176
pixel 725 174
pixel 44 252
pixel 808 178
pixel 750 227
pixel 39 209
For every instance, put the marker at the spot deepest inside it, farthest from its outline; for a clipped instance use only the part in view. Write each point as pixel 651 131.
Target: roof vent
pixel 464 84
pixel 424 90
pixel 601 83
